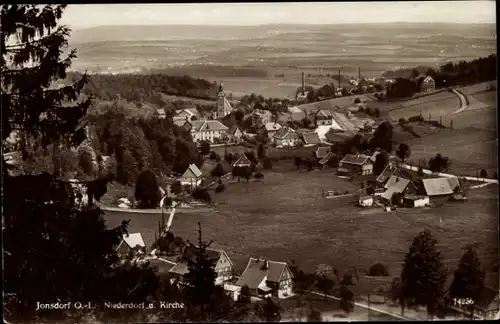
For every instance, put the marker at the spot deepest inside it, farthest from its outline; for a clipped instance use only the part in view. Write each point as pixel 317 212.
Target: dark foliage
pixel 381 161
pixel 468 281
pixel 438 163
pixel 147 190
pixel 403 151
pixel 346 299
pixel 267 164
pixel 378 270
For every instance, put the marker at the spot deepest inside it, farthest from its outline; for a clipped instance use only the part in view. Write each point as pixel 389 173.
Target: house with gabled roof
pixel 310 138
pixel 389 171
pixel 398 185
pixel 160 113
pixel 222 264
pixel 322 151
pixel 437 188
pixel 191 177
pixel 272 128
pixel 266 278
pixel 208 130
pixel 235 133
pixel 323 117
pixel 261 117
pixel 428 84
pixel 356 164
pixel 187 114
pixel 242 161
pixel 286 137
pixel 185 124
pixel 130 243
pixel 327 159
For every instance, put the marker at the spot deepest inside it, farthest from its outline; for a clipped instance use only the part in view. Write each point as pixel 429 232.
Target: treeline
pixel 450 74
pixel 146 87
pixel 215 71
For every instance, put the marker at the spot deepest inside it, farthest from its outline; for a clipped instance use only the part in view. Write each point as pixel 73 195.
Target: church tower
pixel 223 107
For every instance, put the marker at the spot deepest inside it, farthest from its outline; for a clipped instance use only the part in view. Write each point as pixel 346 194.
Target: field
pixel 439 104
pixel 275 55
pixel 284 218
pixel 469 149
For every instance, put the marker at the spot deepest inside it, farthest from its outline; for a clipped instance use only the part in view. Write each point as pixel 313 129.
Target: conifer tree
pixel 468 281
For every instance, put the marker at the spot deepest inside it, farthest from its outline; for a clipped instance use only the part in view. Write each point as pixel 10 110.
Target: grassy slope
pixel 284 218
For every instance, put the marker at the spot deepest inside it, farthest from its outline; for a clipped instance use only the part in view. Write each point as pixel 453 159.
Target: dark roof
pixel 359 159
pixel 242 160
pixel 189 254
pixel 162 265
pixel 285 133
pixel 388 171
pixel 398 186
pixel 394 180
pixel 311 138
pixel 322 151
pixel 256 271
pixel 233 130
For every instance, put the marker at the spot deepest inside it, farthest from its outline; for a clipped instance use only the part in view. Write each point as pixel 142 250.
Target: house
pixel 428 84
pixel 359 164
pixel 398 185
pixel 321 152
pixel 222 265
pixel 286 136
pixel 436 188
pixel 327 158
pixel 373 157
pixel 160 113
pixel 192 176
pixel 265 278
pixel 208 130
pixel 414 201
pixel 185 124
pixel 365 201
pixel 310 138
pixel 232 291
pixel 261 117
pixel 323 117
pixel 130 243
pixel 272 128
pixel 188 114
pixel 387 173
pixel 485 307
pixel 223 106
pixel 242 161
pixel 162 266
pixel 235 133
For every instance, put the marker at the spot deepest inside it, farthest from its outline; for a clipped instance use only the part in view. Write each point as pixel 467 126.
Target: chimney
pixel 303 84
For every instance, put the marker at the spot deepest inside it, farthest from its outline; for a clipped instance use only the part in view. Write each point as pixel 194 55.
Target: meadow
pixel 284 217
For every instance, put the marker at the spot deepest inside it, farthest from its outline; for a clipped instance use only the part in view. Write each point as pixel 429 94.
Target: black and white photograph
pixel 249 162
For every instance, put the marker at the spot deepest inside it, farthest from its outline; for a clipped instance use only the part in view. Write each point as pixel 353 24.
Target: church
pixel 223 107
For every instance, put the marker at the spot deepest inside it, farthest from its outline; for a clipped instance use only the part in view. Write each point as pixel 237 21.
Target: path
pixel 448 175
pixel 463 101
pixel 155 211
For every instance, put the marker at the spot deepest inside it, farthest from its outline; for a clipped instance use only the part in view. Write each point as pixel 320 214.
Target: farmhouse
pixel 365 201
pixel 272 128
pixel 323 117
pixel 235 133
pixel 160 113
pixel 131 243
pixel 428 84
pixel 398 185
pixel 413 201
pixel 188 114
pixel 286 137
pixel 232 291
pixel 310 138
pixel 389 171
pixel 242 161
pixel 208 130
pixel 261 117
pixel 359 164
pixel 437 188
pixel 265 278
pixel 222 263
pixel 192 176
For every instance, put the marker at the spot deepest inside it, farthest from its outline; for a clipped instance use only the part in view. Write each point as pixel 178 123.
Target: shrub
pixel 417 118
pixel 346 192
pixel 378 270
pixel 213 155
pixel 402 121
pixel 258 175
pixel 357 100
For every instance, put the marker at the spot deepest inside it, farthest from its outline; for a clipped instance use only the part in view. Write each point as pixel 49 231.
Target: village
pixel 397 186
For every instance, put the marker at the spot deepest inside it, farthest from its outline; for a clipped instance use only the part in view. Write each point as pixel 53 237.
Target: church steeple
pixel 221 87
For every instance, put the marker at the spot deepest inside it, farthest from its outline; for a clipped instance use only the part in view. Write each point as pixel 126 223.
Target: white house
pixel 286 137
pixel 130 243
pixel 272 128
pixel 413 201
pixel 428 84
pixel 208 130
pixel 191 177
pixel 365 201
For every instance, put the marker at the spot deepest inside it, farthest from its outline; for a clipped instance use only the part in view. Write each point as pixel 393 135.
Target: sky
pixel 85 15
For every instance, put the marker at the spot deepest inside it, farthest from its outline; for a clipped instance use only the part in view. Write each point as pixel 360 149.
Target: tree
pixel 86 162
pixel 382 137
pixel 269 312
pixel 420 171
pixel 218 171
pixel 267 164
pixel 346 299
pixel 237 172
pixel 228 157
pixel 213 155
pixel 176 188
pixel 381 161
pixel 483 174
pixel 396 198
pixel 396 289
pixel 239 115
pixel 378 269
pixel 438 163
pixel 297 161
pixel 468 281
pixel 261 152
pixel 147 190
pixel 423 275
pixel 403 151
pixel 205 148
pixel 202 295
pixel 324 284
pixel 314 315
